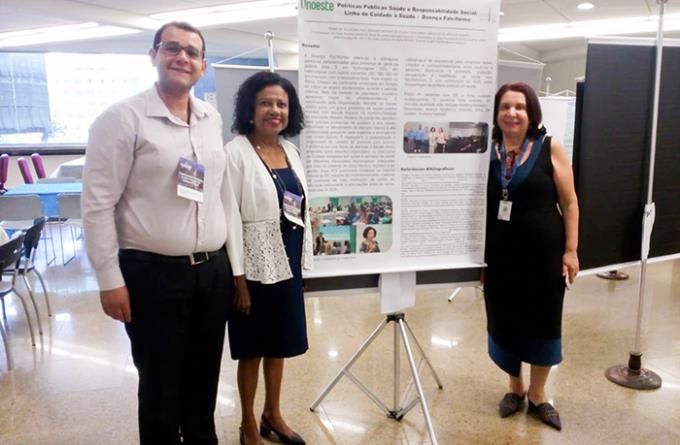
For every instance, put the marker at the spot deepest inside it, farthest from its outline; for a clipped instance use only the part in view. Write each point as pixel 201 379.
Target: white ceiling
pixel 234 39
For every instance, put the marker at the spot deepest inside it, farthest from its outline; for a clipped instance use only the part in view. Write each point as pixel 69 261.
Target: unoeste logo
pixel 317 5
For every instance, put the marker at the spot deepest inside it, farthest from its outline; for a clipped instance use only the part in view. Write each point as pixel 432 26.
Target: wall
pixel 564 72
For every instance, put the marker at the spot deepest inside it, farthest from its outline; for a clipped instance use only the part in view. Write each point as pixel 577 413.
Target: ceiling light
pixel 233 13
pixel 81 31
pixel 631 25
pixel 585 6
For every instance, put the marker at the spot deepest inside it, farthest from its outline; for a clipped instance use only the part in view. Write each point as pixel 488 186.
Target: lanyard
pixel 277 180
pixel 505 180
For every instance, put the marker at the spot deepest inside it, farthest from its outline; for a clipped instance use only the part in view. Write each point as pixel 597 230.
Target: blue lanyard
pixel 505 182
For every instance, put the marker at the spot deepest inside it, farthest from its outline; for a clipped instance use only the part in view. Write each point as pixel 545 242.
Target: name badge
pixel 292 208
pixel 190 179
pixel 504 210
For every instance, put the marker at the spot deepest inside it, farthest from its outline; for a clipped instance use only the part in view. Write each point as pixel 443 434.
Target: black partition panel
pixel 612 160
pixel 578 118
pixel 611 157
pixel 666 191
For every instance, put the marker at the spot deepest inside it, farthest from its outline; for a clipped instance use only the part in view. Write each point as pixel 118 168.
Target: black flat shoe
pixel 547 413
pixel 268 431
pixel 510 404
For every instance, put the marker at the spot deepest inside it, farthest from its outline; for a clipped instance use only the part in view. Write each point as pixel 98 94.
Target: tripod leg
pixel 406 395
pixel 416 379
pixel 348 365
pixel 422 353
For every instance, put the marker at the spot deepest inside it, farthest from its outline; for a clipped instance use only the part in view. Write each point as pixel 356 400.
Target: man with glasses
pixel 162 228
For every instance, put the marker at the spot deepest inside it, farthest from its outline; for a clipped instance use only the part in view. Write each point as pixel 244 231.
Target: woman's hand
pixel 242 296
pixel 570 265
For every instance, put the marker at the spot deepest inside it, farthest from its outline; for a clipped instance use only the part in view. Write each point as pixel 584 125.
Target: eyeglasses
pixel 174 48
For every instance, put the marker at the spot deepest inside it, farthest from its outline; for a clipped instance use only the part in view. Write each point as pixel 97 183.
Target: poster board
pixel 612 156
pixel 389 194
pixel 558 118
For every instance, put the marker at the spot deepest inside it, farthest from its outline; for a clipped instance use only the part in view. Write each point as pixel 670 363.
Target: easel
pixel 401 403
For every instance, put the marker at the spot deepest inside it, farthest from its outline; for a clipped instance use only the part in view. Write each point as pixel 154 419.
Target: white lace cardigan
pixel 264 256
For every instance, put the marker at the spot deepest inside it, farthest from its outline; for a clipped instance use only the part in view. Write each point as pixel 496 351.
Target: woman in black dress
pixel 266 174
pixel 530 248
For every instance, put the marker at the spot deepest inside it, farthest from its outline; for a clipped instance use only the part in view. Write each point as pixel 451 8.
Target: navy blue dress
pixel 276 326
pixel 523 285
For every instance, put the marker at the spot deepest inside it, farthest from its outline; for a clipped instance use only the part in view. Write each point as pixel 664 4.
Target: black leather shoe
pixel 510 404
pixel 268 431
pixel 547 413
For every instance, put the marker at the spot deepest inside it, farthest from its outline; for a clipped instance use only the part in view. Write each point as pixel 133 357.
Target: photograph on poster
pixel 373 238
pixel 339 223
pixel 334 240
pixel 445 137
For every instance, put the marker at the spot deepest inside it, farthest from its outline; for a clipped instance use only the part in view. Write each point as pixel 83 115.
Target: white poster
pixel 559 114
pixel 398 100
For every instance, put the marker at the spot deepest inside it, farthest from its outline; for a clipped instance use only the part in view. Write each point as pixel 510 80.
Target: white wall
pixel 564 72
pixel 287 61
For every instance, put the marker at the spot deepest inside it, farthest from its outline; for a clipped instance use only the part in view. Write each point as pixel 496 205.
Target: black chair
pixel 10 256
pixel 27 264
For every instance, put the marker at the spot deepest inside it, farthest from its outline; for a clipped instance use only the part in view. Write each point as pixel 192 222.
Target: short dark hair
pixel 367 229
pixel 244 103
pixel 181 25
pixel 533 109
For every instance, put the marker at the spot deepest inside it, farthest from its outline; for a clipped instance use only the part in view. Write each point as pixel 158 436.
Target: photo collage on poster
pixel 351 224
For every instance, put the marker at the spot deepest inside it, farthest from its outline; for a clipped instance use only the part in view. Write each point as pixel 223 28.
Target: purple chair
pixel 38 165
pixel 4 170
pixel 25 170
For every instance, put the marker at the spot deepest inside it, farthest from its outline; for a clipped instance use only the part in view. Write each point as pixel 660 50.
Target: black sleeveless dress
pixel 524 286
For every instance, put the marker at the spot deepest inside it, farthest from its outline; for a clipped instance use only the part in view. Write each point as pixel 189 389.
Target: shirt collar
pixel 155 107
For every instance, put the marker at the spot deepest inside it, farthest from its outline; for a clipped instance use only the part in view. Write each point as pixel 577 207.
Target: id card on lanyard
pixel 509 164
pixel 292 208
pixel 292 202
pixel 190 179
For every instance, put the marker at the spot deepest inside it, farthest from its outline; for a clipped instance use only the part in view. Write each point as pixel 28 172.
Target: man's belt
pixel 192 259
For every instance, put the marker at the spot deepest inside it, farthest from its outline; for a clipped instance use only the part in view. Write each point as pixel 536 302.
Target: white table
pixel 70 169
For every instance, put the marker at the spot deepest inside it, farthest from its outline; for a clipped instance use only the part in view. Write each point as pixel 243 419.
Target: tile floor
pixel 78 385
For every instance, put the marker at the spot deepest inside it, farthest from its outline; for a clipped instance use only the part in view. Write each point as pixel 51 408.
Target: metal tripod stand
pixel 401 404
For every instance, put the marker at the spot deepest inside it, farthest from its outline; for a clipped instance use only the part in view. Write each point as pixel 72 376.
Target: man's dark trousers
pixel 179 312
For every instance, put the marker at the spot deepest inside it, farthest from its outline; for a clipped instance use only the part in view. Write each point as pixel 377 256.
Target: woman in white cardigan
pixel 269 184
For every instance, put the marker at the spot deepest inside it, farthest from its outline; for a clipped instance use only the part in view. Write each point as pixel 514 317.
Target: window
pixel 54 98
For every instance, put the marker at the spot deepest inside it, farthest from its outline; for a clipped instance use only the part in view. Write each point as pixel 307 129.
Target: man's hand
pixel 116 303
pixel 242 296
